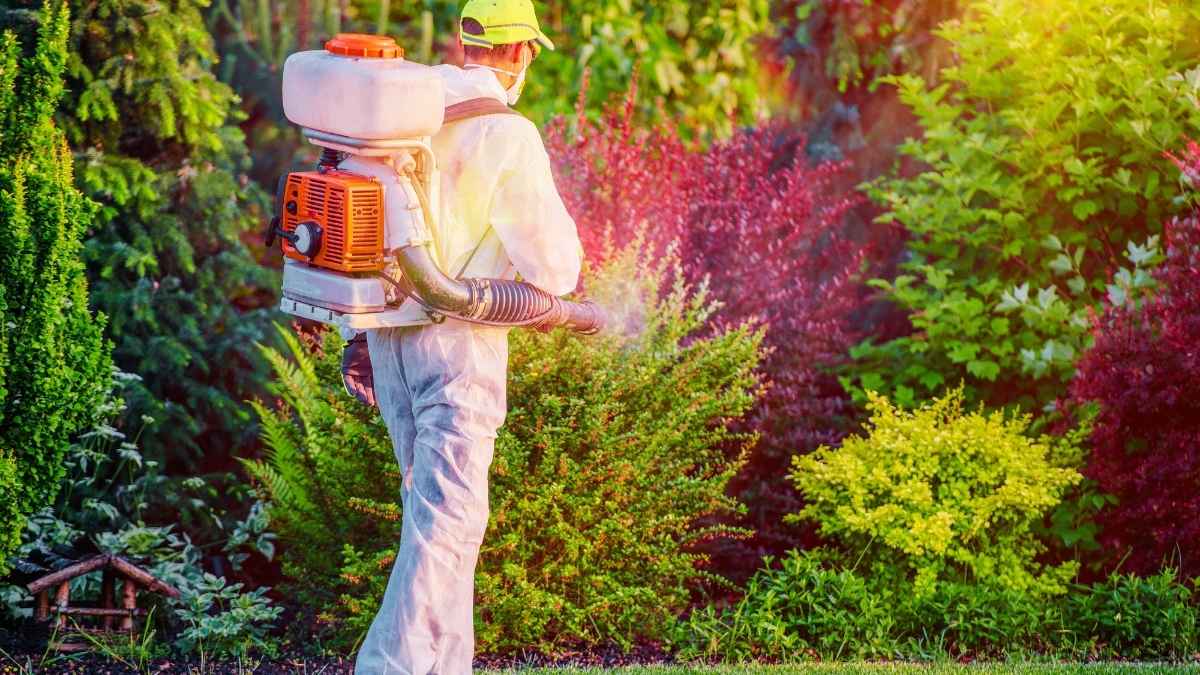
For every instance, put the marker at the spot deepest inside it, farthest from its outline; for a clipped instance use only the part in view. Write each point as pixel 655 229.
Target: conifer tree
pixel 54 362
pixel 154 134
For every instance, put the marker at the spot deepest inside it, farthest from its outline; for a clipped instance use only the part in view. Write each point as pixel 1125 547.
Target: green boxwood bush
pixel 942 494
pixel 1041 174
pixel 613 447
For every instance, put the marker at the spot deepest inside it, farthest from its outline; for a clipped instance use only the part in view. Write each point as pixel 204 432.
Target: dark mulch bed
pixel 95 664
pixel 25 655
pixel 609 656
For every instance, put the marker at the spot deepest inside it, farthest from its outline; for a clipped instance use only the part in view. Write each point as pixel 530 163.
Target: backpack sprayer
pixel 355 232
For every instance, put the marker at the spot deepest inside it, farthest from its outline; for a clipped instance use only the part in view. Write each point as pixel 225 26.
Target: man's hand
pixel 357 376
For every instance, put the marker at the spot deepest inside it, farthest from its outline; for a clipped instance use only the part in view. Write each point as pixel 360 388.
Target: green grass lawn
pixel 872 669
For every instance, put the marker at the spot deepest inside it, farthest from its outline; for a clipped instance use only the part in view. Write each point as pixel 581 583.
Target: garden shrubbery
pixel 1151 617
pixel 156 145
pixel 1048 268
pixel 612 449
pixel 1042 152
pixel 1143 373
pixel 794 611
pixel 84 486
pixel 809 608
pixel 763 229
pixel 934 513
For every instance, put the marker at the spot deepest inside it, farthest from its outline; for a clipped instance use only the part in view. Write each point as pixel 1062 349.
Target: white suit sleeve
pixel 527 212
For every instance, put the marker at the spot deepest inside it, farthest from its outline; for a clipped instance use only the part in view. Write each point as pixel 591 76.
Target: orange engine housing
pixel 349 209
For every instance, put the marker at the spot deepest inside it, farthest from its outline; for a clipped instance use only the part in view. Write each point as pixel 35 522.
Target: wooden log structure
pixel 62 600
pixel 116 562
pixel 106 595
pixel 115 569
pixel 68 573
pixel 43 606
pixel 142 577
pixel 129 602
pixel 104 611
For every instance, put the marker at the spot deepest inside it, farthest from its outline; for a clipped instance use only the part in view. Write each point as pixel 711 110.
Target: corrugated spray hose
pixel 516 303
pixel 504 301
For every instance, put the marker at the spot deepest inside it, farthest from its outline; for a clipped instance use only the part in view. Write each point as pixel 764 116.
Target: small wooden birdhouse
pixel 114 568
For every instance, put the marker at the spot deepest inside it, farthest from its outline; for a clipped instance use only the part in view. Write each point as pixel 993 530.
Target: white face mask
pixel 514 92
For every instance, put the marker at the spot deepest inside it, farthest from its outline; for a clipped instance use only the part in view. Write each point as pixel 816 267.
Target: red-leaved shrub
pixel 765 228
pixel 616 179
pixel 1144 371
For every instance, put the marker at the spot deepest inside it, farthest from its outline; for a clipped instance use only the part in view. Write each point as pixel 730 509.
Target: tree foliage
pixel 54 361
pixel 846 45
pixel 153 136
pixel 1042 147
pixel 698 60
pixel 830 56
pixel 612 449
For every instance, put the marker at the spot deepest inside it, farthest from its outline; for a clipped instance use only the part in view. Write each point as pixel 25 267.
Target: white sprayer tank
pixel 360 86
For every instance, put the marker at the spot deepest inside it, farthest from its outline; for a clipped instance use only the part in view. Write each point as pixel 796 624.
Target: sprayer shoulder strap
pixel 476 107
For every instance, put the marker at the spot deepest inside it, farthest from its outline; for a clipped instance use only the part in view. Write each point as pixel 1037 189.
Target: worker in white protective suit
pixel 441 387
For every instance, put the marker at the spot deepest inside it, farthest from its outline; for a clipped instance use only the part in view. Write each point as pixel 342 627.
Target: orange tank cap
pixel 364 45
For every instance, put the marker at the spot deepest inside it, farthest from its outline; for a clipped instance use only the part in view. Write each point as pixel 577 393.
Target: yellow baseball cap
pixel 504 22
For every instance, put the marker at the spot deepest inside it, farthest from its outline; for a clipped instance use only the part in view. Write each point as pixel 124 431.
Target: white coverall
pixel 441 387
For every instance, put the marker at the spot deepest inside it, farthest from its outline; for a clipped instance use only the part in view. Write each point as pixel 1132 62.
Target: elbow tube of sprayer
pixel 497 302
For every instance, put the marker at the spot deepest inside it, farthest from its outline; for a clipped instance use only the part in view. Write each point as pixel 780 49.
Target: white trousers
pixel 441 390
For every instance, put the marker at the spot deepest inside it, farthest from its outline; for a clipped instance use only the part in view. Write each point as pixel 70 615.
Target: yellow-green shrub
pixel 940 493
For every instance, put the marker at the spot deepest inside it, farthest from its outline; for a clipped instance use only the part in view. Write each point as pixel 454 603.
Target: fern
pixel 310 475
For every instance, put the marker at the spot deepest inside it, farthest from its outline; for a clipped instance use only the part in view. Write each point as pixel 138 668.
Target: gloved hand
pixel 356 370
